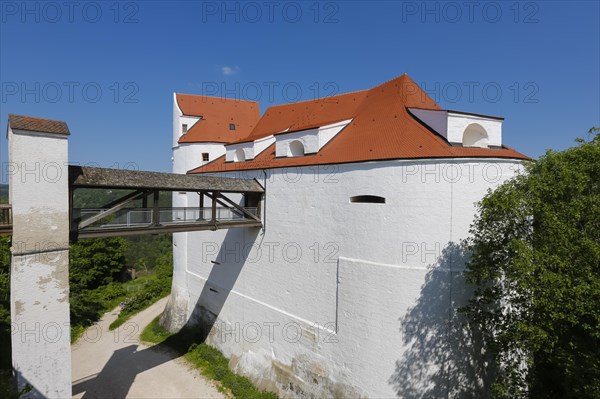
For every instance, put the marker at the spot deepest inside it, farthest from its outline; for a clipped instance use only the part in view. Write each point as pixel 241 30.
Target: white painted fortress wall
pixel 335 298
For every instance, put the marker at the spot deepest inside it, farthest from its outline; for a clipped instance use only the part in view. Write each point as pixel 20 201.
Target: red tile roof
pixel 217 114
pixel 307 114
pixel 21 122
pixel 381 128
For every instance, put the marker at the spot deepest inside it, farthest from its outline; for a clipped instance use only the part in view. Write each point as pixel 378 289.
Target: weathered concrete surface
pixel 114 364
pixel 38 192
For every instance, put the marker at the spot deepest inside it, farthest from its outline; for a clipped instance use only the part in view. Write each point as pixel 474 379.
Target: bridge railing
pixel 5 216
pixel 131 217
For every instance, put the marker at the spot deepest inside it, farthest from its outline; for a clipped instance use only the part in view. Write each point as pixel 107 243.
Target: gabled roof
pixel 217 114
pixel 20 122
pixel 382 128
pixel 306 115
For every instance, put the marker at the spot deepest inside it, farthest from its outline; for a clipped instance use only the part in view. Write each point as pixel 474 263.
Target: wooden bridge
pixel 118 218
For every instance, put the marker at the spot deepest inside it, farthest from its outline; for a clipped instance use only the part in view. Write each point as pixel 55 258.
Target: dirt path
pixel 113 364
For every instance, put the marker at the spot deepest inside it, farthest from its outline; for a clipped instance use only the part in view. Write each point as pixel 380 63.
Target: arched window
pixel 239 155
pixel 296 148
pixel 475 135
pixel 367 199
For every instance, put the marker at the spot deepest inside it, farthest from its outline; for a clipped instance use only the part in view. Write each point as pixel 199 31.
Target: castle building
pixel 352 285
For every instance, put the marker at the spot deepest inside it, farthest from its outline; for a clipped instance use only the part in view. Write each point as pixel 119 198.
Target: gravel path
pixel 113 364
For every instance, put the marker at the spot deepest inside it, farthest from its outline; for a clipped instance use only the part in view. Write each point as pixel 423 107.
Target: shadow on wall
pixel 221 280
pixel 442 356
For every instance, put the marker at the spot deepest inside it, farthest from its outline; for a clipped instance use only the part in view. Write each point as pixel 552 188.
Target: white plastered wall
pixel 343 299
pixel 39 194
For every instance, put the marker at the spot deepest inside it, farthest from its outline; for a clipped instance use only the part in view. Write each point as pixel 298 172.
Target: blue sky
pixel 109 69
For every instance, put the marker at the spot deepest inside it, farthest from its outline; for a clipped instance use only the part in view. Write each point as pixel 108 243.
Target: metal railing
pixel 131 217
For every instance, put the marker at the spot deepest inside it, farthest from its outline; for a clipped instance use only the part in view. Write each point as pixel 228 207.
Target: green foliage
pixel 96 198
pixel 144 251
pixel 7 388
pixel 536 264
pixel 214 365
pixel 152 289
pixel 96 262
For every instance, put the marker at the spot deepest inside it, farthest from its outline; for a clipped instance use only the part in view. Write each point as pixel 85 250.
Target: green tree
pixel 96 262
pixel 535 262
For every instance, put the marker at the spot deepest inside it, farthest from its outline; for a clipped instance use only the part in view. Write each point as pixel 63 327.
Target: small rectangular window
pixel 232 126
pixel 372 199
pixel 184 128
pixel 205 157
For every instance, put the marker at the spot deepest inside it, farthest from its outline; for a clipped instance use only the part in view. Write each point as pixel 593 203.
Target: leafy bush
pixel 536 265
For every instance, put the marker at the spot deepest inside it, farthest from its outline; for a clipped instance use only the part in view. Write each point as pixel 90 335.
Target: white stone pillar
pixel 39 195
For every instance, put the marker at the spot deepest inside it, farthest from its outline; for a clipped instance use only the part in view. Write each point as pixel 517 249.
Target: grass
pixel 139 294
pixel 207 359
pixel 154 333
pixel 152 291
pixel 8 388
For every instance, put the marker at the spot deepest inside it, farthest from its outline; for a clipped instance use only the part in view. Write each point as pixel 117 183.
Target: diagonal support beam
pixel 120 204
pixel 230 203
pixel 217 200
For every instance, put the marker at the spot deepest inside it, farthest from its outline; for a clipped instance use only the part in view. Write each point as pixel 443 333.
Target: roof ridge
pixel 316 100
pixel 216 97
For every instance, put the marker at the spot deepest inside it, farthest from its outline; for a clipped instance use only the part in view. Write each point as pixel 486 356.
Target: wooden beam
pixel 201 204
pixel 222 203
pixel 214 196
pixel 155 209
pixel 115 208
pixel 163 228
pixel 239 208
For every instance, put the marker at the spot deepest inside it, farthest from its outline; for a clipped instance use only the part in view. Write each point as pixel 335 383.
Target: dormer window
pixel 296 148
pixel 475 135
pixel 239 155
pixel 306 141
pixel 232 126
pixel 463 128
pixel 184 128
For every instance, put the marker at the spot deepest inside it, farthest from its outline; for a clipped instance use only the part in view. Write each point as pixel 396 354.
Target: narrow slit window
pixel 232 126
pixel 367 199
pixel 205 157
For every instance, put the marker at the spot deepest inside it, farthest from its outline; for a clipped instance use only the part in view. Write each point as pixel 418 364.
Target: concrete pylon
pixel 39 194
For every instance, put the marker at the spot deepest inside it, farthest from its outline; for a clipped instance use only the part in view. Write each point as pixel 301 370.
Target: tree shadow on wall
pixel 443 356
